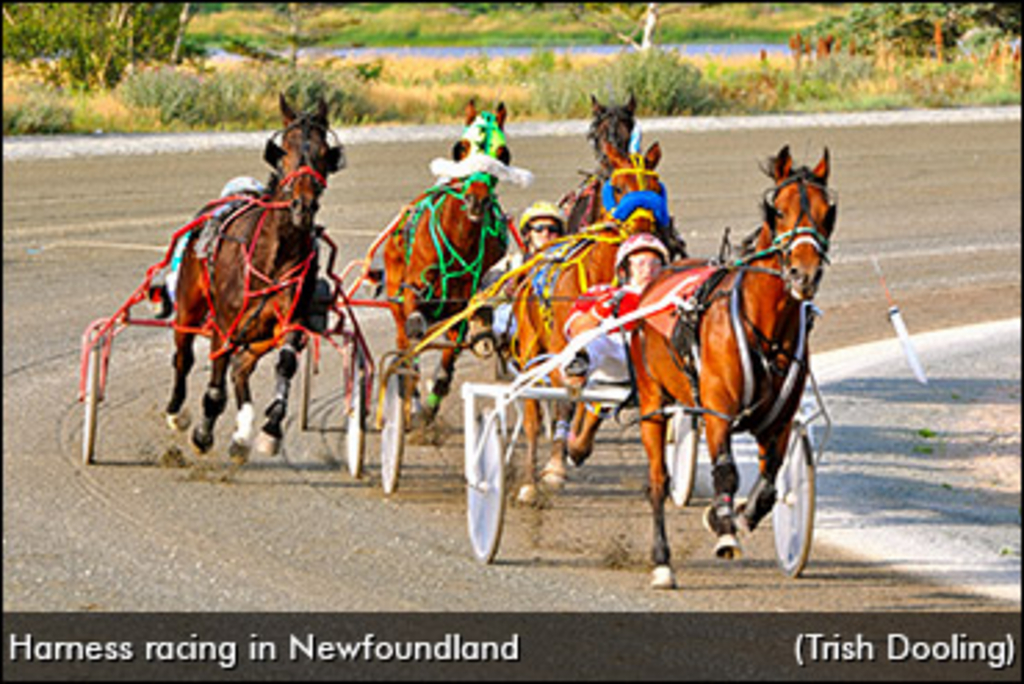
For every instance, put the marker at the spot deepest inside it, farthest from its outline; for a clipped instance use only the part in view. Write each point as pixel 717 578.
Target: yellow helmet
pixel 538 210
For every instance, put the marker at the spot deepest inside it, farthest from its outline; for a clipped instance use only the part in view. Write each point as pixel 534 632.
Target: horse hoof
pixel 267 445
pixel 201 441
pixel 663 578
pixel 415 326
pixel 527 495
pixel 239 452
pixel 179 421
pixel 728 548
pixel 554 478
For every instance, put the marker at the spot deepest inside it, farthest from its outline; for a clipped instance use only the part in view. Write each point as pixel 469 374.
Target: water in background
pixel 686 50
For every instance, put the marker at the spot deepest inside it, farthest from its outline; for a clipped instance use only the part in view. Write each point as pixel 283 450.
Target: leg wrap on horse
pixel 726 480
pixel 760 502
pixel 214 402
pixel 561 430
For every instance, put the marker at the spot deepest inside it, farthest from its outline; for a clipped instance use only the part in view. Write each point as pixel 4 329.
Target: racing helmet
pixel 538 210
pixel 242 185
pixel 638 243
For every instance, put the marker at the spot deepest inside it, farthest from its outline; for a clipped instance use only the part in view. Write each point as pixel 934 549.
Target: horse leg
pixel 554 472
pixel 191 308
pixel 580 443
pixel 719 518
pixel 652 434
pixel 242 366
pixel 213 401
pixel 531 428
pixel 761 498
pixel 182 361
pixel 269 440
pixel 441 385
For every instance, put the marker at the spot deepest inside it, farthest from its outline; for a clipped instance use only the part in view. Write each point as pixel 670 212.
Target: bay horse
pixel 739 357
pixel 616 125
pixel 447 239
pixel 570 266
pixel 254 290
pixel 613 124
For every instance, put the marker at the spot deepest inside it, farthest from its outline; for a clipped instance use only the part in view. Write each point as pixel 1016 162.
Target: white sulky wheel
pixel 793 514
pixel 485 499
pixel 355 428
pixel 681 445
pixel 392 435
pixel 92 401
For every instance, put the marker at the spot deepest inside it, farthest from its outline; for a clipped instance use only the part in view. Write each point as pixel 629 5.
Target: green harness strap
pixel 451 264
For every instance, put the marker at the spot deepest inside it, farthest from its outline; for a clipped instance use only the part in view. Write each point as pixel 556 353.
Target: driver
pixel 637 261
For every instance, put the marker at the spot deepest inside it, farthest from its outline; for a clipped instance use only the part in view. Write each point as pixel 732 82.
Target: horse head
pixel 799 219
pixel 303 160
pixel 484 134
pixel 612 124
pixel 633 194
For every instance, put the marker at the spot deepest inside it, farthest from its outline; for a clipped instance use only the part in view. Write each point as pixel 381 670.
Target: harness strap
pixel 742 345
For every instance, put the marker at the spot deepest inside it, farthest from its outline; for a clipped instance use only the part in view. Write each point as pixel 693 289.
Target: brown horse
pixel 745 345
pixel 546 293
pixel 449 237
pixel 253 291
pixel 617 126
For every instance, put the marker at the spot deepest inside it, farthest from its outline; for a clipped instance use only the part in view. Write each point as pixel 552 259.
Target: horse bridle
pixel 786 242
pixel 305 166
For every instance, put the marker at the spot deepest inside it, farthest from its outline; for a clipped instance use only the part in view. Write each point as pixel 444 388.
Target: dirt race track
pixel 939 204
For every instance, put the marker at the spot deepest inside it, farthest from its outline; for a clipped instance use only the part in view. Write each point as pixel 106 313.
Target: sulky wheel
pixel 392 435
pixel 793 514
pixel 92 401
pixel 681 446
pixel 355 428
pixel 485 493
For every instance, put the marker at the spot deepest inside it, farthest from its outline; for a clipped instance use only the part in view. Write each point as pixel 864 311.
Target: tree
pixel 88 45
pixel 632 23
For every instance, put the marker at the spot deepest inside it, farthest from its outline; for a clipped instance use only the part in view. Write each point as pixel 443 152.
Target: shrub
pixel 37 109
pixel 663 84
pixel 345 94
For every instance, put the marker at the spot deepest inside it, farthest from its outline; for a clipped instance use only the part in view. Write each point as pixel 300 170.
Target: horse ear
pixel 504 156
pixel 470 111
pixel 821 170
pixel 782 164
pixel 500 114
pixel 335 159
pixel 631 104
pixel 460 150
pixel 596 107
pixel 286 111
pixel 321 110
pixel 272 153
pixel 653 156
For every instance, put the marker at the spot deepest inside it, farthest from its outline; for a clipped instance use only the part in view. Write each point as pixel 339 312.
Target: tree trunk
pixel 650 25
pixel 182 24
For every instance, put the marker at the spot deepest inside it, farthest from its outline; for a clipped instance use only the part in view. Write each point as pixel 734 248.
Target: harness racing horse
pixel 613 124
pixel 633 200
pixel 738 355
pixel 446 240
pixel 616 125
pixel 253 291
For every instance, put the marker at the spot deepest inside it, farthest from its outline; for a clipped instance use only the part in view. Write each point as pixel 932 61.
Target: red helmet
pixel 638 243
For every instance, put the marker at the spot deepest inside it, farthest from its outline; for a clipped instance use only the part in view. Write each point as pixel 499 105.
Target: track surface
pixel 939 204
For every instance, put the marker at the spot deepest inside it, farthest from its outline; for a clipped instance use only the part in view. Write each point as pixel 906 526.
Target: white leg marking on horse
pixel 663 578
pixel 246 416
pixel 179 421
